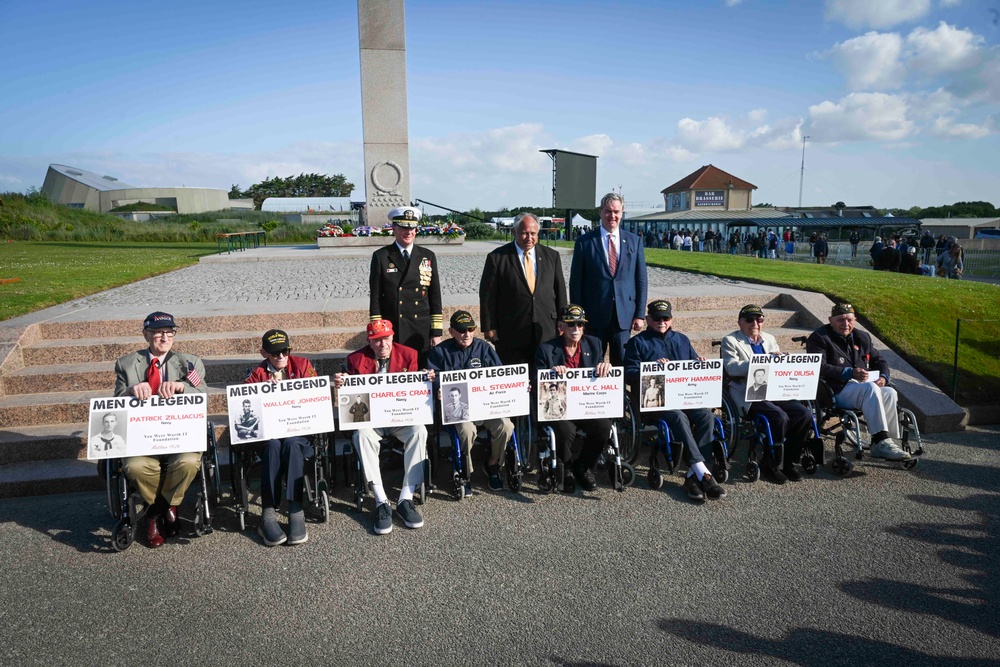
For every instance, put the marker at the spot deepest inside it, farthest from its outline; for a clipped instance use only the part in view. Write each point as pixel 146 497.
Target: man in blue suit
pixel 608 278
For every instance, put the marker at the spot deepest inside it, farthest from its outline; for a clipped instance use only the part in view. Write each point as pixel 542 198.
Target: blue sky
pixel 899 98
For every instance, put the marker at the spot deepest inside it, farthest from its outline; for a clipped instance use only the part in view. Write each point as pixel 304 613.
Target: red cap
pixel 379 329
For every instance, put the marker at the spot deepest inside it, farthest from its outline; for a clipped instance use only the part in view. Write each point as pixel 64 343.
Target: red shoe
pixel 171 526
pixel 153 533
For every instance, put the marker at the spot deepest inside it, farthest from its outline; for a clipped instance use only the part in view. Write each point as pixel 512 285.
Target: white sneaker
pixel 889 450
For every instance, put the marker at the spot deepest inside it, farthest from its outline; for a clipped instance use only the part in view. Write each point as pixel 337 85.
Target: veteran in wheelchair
pixel 382 355
pixel 157 370
pixel 694 429
pixel 849 364
pixel 789 423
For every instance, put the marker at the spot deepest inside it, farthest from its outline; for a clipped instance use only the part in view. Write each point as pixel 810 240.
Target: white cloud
pixel 944 49
pixel 719 135
pixel 859 14
pixel 861 117
pixel 871 61
pixel 946 126
pixel 9 179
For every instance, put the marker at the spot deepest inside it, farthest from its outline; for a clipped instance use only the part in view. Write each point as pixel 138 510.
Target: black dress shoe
pixel 585 477
pixel 773 475
pixel 792 474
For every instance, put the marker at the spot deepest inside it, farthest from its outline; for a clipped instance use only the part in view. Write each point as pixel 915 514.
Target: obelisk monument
pixel 381 27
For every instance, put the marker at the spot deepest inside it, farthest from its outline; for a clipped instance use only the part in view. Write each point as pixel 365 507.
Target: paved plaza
pixel 885 567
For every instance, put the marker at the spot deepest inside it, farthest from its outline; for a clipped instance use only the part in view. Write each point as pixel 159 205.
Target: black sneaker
pixel 496 482
pixel 773 475
pixel 792 474
pixel 382 520
pixel 693 489
pixel 585 478
pixel 712 488
pixel 409 514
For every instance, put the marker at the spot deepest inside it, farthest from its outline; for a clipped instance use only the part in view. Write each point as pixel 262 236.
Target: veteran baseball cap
pixel 405 216
pixel 573 314
pixel 159 320
pixel 751 310
pixel 462 321
pixel 379 329
pixel 275 341
pixel 659 308
pixel 842 309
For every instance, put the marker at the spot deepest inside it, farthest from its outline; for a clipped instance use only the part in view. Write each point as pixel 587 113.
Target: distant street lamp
pixel 802 172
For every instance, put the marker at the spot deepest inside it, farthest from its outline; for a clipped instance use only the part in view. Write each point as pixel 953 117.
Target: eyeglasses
pixel 281 353
pixel 161 333
pixel 660 319
pixel 754 318
pixel 573 325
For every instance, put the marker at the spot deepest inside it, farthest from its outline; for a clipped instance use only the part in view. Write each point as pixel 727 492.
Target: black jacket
pixel 409 297
pixel 839 353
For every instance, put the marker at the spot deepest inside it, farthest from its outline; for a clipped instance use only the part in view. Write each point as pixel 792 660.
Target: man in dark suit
pixel 406 286
pixel 608 278
pixel 521 293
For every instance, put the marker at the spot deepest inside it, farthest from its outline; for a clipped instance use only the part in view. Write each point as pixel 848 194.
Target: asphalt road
pixel 884 567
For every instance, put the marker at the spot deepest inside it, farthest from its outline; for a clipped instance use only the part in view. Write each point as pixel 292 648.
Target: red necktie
pixel 612 256
pixel 153 375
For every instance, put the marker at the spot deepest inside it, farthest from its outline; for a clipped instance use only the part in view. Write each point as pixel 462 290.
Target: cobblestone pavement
pixel 342 278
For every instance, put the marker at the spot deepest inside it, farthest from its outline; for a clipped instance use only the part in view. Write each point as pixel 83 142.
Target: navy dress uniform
pixel 406 291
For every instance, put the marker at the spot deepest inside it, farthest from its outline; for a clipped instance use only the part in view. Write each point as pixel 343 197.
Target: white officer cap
pixel 405 216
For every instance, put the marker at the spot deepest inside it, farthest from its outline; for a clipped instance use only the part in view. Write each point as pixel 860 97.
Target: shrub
pixel 270 225
pixel 478 231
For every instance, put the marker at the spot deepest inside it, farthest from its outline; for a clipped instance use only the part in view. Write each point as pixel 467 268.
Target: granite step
pixel 702 340
pixel 99 375
pixel 208 344
pixel 690 322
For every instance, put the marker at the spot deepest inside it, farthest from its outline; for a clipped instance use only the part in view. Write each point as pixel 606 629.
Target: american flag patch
pixel 192 375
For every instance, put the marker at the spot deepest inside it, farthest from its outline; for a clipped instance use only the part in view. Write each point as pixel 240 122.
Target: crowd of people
pixel 527 318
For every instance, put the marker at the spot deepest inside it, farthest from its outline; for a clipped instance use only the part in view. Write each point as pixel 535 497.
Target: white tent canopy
pixel 580 221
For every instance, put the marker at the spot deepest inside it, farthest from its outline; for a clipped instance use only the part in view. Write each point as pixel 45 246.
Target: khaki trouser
pixel 168 476
pixel 500 431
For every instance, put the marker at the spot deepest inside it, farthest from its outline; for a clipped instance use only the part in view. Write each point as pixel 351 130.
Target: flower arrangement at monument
pixel 332 230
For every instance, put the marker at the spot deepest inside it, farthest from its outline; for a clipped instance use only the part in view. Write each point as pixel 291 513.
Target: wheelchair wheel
pixel 512 470
pixel 808 464
pixel 324 506
pixel 526 442
pixel 122 535
pixel 841 465
pixel 655 478
pixel 753 471
pixel 720 474
pixel 628 434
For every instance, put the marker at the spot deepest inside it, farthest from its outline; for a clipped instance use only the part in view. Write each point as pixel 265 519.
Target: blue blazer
pixel 553 353
pixel 592 287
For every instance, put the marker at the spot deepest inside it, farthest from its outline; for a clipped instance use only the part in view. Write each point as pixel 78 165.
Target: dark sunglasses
pixel 574 325
pixel 281 353
pixel 660 319
pixel 754 318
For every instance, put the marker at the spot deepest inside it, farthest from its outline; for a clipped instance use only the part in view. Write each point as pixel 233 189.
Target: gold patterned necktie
pixel 529 272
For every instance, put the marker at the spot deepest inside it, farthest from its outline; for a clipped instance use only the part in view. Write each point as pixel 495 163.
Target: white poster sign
pixel 680 385
pixel 477 394
pixel 383 400
pixel 580 394
pixel 126 426
pixel 783 377
pixel 268 410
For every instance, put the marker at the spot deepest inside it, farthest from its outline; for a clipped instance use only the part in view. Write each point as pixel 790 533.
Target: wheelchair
pixel 756 431
pixel 316 493
pixel 552 471
pixel 389 447
pixel 656 434
pixel 845 426
pixel 124 500
pixel 512 463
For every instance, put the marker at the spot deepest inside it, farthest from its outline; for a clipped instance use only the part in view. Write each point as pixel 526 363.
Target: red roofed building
pixel 709 188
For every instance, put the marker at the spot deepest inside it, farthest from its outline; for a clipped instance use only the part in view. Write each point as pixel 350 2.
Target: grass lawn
pixel 51 272
pixel 913 314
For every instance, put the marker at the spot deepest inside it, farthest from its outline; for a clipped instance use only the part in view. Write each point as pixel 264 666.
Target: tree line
pixel 303 185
